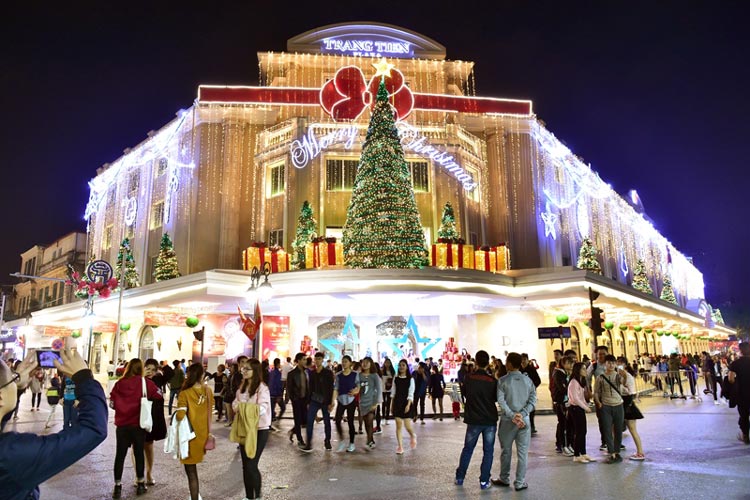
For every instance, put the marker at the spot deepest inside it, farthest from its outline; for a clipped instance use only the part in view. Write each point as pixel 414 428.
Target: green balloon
pixel 648 330
pixel 609 325
pixel 76 334
pixel 660 334
pixel 192 321
pixel 637 328
pixel 562 318
pixel 623 327
pixel 125 327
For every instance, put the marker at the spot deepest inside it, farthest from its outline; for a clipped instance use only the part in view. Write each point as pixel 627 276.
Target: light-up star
pixel 429 343
pixel 383 68
pixel 550 219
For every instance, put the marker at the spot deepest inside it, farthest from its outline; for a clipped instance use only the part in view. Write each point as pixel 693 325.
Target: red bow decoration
pixel 348 94
pixel 251 326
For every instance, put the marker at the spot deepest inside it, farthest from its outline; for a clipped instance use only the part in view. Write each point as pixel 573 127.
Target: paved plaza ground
pixel 691 447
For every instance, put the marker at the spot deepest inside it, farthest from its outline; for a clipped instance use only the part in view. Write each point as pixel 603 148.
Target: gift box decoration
pixel 492 259
pixel 324 252
pixel 257 254
pixel 486 260
pixel 279 260
pixel 452 255
pixel 502 253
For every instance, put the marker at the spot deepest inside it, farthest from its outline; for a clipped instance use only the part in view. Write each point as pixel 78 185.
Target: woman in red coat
pixel 126 400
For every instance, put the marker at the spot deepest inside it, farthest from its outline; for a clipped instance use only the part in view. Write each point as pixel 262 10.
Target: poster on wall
pixel 275 337
pixel 222 337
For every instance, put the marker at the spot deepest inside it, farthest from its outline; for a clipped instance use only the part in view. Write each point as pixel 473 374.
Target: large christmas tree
pixel 166 262
pixel 587 257
pixel 382 227
pixel 667 293
pixel 447 230
pixel 131 279
pixel 640 278
pixel 305 233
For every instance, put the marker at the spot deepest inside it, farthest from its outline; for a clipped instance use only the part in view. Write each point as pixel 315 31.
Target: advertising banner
pixel 275 337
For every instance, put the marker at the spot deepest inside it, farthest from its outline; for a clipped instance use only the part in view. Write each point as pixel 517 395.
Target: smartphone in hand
pixel 46 358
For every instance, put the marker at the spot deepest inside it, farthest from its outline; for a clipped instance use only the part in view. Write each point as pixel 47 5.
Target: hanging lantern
pixel 623 328
pixel 192 321
pixel 609 325
pixel 76 334
pixel 637 328
pixel 562 318
pixel 648 330
pixel 124 327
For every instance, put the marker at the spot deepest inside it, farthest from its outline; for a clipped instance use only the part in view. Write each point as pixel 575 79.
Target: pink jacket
pixel 262 398
pixel 577 395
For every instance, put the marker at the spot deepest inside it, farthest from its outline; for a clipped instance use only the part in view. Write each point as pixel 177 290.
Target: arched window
pixel 146 344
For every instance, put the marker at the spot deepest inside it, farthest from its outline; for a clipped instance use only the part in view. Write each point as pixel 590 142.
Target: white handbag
pixel 147 422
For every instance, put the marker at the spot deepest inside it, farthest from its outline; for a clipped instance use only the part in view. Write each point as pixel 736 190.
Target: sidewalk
pixel 691 447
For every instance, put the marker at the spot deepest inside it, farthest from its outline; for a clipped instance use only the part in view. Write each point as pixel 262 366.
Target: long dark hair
pixel 576 375
pixel 134 368
pixel 408 370
pixel 388 370
pixel 193 376
pixel 255 379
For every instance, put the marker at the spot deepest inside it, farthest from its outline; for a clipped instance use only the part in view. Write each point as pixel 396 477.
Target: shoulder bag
pixel 146 421
pixel 211 439
pixel 631 411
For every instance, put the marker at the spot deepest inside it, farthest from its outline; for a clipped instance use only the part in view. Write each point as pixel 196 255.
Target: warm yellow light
pixel 383 68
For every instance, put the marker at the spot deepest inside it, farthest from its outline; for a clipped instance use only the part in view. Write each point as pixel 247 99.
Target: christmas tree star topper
pixel 383 68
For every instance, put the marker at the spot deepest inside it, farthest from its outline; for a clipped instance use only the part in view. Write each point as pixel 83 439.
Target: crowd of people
pixel 498 399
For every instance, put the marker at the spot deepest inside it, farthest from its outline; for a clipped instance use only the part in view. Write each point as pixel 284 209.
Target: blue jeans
pixel 508 434
pixel 70 414
pixel 312 411
pixel 470 442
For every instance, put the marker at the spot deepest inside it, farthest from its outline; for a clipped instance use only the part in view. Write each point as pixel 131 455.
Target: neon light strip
pixel 298 96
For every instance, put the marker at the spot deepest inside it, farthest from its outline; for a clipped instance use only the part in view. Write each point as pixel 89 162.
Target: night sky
pixel 653 96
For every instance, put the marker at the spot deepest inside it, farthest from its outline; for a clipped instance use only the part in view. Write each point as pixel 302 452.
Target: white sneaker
pixel 717 402
pixel 350 448
pixel 568 452
pixel 342 447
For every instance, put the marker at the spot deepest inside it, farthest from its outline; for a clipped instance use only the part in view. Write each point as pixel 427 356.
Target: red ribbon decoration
pixel 347 95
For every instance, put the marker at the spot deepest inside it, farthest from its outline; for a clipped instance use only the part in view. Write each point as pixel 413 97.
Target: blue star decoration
pixel 429 344
pixel 334 345
pixel 395 343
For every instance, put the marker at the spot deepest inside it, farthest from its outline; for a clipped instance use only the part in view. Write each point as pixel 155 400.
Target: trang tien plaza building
pixel 228 177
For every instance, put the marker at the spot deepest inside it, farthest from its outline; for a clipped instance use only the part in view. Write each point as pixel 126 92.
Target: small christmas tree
pixel 306 224
pixel 587 257
pixel 640 279
pixel 447 230
pixel 717 317
pixel 131 279
pixel 382 228
pixel 667 293
pixel 166 262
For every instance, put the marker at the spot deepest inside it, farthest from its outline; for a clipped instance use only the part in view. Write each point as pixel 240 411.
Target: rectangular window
pixel 111 199
pixel 276 237
pixel 107 242
pixel 276 180
pixel 340 174
pixel 133 184
pixel 420 176
pixel 157 215
pixel 474 239
pixel 161 167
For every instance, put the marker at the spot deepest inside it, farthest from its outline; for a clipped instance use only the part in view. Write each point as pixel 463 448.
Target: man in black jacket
pixel 26 460
pixel 480 416
pixel 559 400
pixel 298 389
pixel 320 396
pixel 530 371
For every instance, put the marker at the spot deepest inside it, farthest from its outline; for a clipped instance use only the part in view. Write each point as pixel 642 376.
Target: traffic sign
pixel 553 332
